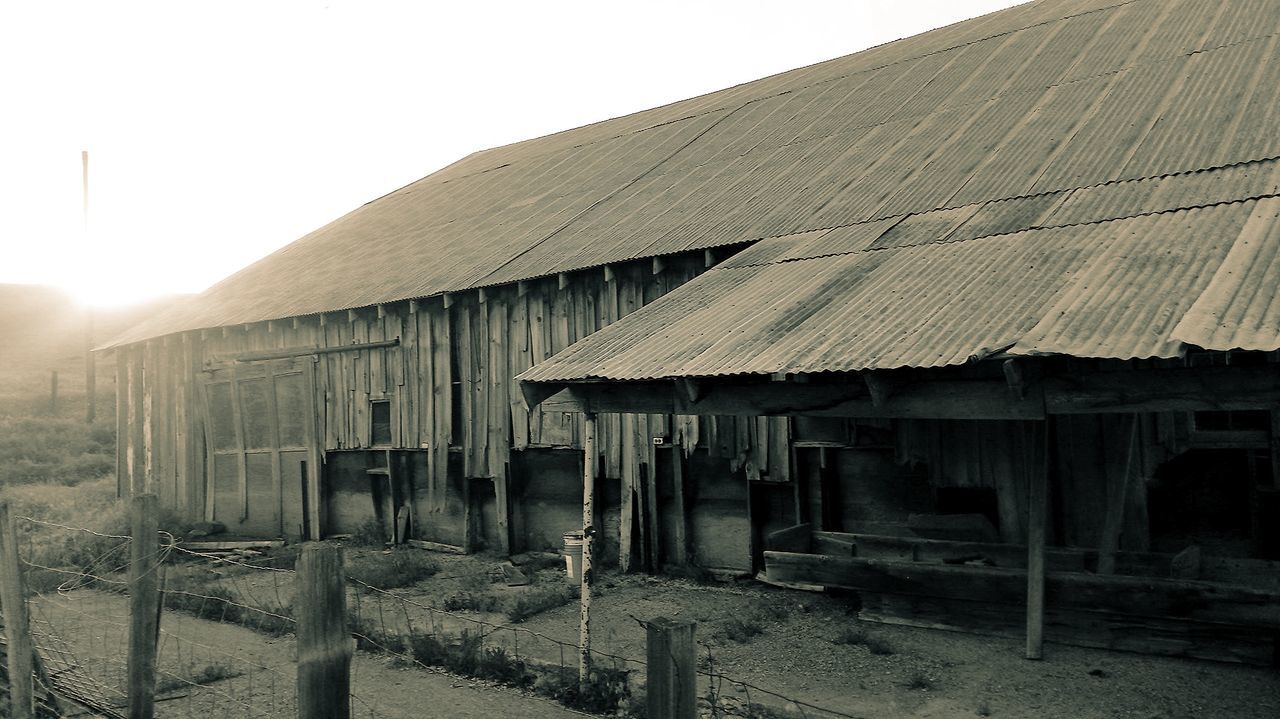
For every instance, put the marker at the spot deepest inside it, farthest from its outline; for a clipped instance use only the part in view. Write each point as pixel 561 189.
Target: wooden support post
pixel 1037 509
pixel 144 604
pixel 672 683
pixel 17 629
pixel 324 646
pixel 1117 498
pixel 588 536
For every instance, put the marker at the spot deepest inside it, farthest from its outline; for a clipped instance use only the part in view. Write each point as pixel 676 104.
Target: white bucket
pixel 573 555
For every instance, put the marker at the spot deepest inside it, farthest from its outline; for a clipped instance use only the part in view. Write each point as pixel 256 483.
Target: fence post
pixel 588 514
pixel 17 628
pixel 671 685
pixel 324 644
pixel 144 604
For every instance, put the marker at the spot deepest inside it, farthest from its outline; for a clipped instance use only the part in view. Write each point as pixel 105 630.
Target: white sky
pixel 220 131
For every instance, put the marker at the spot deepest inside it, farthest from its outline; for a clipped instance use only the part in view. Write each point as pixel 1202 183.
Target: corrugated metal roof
pixel 1113 288
pixel 1037 99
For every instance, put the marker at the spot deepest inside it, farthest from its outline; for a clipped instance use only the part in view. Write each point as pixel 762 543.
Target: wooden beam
pixel 562 280
pixel 447 300
pixel 708 257
pixel 304 351
pixel 1136 596
pixel 482 295
pixel 609 275
pixel 413 307
pixel 522 288
pixel 1164 390
pixel 658 265
pixel 382 311
pixel 942 399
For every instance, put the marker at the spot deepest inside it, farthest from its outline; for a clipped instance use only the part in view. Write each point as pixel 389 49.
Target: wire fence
pixel 225 647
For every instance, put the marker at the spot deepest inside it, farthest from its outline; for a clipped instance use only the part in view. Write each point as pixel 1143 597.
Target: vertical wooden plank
pixel 150 372
pixel 499 415
pixel 648 471
pixel 680 514
pixel 136 426
pixel 538 350
pixel 480 386
pixel 779 435
pixel 519 352
pixel 122 421
pixel 626 529
pixel 442 389
pixel 324 644
pixel 1037 510
pixel 242 459
pixel 182 425
pixel 19 650
pixel 466 370
pixel 1117 488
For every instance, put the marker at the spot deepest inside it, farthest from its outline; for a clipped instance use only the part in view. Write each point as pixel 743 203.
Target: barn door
pixel 262 469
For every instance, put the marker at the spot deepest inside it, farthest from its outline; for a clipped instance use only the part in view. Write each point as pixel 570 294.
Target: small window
pixel 380 423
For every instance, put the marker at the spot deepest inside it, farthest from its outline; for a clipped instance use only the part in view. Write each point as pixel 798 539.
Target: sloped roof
pixel 1122 270
pixel 1042 97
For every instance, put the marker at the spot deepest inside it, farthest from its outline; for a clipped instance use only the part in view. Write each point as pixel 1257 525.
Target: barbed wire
pixel 209 679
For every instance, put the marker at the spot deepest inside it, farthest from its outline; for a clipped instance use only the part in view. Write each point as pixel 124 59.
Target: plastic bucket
pixel 573 556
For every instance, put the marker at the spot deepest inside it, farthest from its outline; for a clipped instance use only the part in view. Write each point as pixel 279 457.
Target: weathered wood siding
pixel 471 344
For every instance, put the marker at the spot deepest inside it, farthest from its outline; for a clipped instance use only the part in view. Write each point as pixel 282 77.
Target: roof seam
pixel 1166 211
pixel 614 193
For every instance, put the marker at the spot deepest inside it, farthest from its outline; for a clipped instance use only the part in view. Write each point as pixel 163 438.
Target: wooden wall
pixel 470 344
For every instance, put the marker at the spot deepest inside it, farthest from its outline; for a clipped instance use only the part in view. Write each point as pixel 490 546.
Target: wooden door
pixel 262 469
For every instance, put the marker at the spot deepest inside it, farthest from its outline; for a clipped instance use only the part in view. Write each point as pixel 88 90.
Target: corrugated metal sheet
pixel 1241 306
pixel 1036 99
pixel 1115 288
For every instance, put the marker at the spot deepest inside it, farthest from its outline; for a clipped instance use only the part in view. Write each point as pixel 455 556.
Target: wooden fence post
pixel 588 514
pixel 17 629
pixel 671 686
pixel 144 605
pixel 324 644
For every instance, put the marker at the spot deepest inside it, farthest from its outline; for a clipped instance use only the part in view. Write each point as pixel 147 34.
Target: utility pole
pixel 90 361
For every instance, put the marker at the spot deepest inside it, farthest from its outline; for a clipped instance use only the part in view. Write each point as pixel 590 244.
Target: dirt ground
pixel 915 672
pixel 800 645
pixel 263 685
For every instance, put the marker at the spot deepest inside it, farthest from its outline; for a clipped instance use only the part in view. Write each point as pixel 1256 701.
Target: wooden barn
pixel 917 322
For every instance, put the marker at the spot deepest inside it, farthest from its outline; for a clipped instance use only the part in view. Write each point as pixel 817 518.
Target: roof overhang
pixel 1024 390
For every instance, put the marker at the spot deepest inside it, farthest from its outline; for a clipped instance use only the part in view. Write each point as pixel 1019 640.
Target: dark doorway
pixel 1219 499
